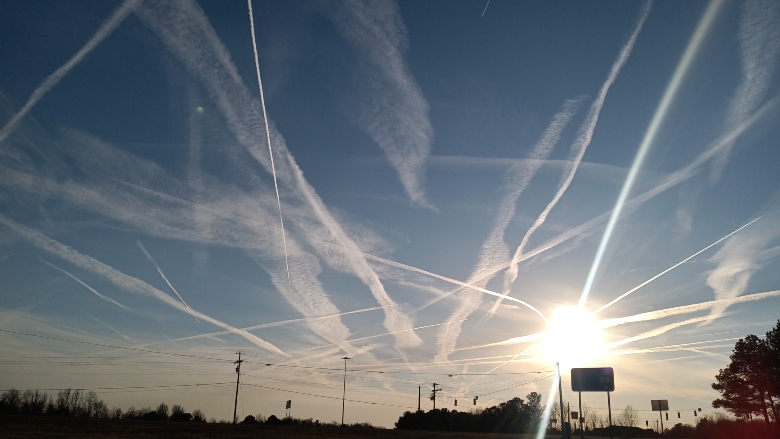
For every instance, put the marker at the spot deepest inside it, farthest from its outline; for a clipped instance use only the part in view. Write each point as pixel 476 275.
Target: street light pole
pixel 560 395
pixel 344 392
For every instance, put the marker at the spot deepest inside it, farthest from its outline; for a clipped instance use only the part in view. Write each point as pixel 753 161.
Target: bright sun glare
pixel 573 338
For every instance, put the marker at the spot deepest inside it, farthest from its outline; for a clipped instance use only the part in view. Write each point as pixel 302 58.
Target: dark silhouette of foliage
pixel 723 428
pixel 750 384
pixel 513 416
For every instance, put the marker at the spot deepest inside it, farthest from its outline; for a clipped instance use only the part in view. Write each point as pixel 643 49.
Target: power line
pixel 327 397
pixel 114 347
pixel 131 387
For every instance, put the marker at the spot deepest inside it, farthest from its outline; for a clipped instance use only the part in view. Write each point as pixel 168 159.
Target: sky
pixel 459 192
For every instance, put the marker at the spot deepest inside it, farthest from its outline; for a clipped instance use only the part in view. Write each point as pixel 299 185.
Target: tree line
pixel 513 416
pixel 81 404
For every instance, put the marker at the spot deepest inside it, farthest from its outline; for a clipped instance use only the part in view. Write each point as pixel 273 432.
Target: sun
pixel 573 338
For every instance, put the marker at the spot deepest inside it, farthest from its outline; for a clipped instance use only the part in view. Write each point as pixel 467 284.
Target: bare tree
pixel 628 417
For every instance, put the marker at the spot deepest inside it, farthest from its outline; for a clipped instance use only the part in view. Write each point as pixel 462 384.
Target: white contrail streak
pixel 108 299
pixel 672 268
pixel 447 279
pixel 495 250
pixel 104 31
pixel 657 331
pixel 660 113
pixel 122 280
pixel 685 309
pixel 580 145
pixel 275 324
pixel 486 6
pixel 268 136
pixel 159 270
pixel 187 33
pixel 672 180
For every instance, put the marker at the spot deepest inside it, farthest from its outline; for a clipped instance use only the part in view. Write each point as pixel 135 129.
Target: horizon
pixel 462 192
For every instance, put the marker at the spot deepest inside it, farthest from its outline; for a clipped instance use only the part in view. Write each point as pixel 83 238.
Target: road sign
pixel 575 415
pixel 660 405
pixel 593 379
pixel 289 403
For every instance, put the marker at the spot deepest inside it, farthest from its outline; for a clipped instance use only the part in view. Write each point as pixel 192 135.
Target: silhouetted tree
pixel 179 415
pixel 162 411
pixel 745 385
pixel 513 416
pixel 628 417
pixel 198 416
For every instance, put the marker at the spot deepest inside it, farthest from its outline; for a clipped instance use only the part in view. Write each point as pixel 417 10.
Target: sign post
pixel 593 379
pixel 660 406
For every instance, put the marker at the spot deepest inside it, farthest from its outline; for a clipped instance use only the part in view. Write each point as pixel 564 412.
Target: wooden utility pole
pixel 344 392
pixel 238 378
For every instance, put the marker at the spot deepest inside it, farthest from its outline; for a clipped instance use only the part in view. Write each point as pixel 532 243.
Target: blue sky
pixel 428 157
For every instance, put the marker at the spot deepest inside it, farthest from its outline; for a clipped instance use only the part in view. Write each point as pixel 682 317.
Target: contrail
pixel 111 328
pixel 672 180
pixel 660 113
pixel 494 248
pixel 685 309
pixel 159 270
pixel 268 135
pixel 672 267
pixel 187 33
pixel 104 31
pixel 447 279
pixel 122 280
pixel 657 331
pixel 486 6
pixel 108 299
pixel 273 324
pixel 580 145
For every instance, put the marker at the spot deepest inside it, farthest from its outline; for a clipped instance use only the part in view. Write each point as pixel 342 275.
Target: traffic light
pixel 694 413
pixel 456 403
pixel 647 424
pixel 667 415
pixel 678 414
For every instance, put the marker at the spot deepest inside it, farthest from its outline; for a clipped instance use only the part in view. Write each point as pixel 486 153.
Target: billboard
pixel 592 379
pixel 660 405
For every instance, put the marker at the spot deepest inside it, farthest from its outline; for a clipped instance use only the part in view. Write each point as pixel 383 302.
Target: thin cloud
pixel 94 291
pixel 159 270
pixel 185 30
pixel 740 257
pixel 104 31
pixel 394 111
pixel 122 280
pixel 759 43
pixel 494 250
pixel 580 145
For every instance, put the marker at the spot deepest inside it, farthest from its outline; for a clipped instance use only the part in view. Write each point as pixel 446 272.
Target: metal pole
pixel 419 393
pixel 344 392
pixel 582 428
pixel 560 395
pixel 609 407
pixel 238 377
pixel 661 413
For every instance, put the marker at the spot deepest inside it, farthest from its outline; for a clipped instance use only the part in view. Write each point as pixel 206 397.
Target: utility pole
pixel 560 395
pixel 344 392
pixel 433 394
pixel 433 398
pixel 419 414
pixel 238 377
